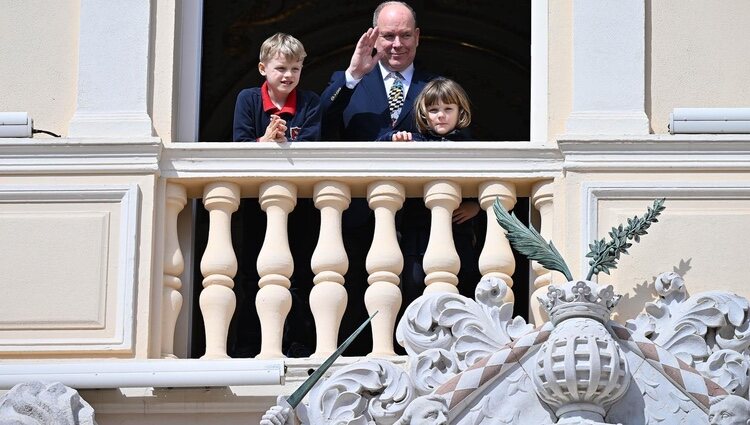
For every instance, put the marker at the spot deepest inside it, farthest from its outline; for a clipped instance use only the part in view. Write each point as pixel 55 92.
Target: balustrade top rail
pixel 359 163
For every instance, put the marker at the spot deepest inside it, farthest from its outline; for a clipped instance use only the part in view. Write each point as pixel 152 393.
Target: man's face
pixel 398 38
pixel 729 412
pixel 282 74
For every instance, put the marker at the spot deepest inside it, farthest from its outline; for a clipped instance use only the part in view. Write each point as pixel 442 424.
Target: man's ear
pixel 416 35
pixel 262 68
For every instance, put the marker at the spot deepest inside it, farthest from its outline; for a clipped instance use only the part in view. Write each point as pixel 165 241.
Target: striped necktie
pixel 396 97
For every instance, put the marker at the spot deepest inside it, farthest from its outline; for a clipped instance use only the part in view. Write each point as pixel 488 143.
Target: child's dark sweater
pixel 457 135
pixel 253 110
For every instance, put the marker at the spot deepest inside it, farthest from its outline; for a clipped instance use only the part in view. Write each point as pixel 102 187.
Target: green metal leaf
pixel 605 255
pixel 529 242
pixel 310 382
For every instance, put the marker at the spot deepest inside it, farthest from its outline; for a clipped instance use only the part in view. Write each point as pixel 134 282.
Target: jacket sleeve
pixel 333 101
pixel 386 137
pixel 243 129
pixel 310 131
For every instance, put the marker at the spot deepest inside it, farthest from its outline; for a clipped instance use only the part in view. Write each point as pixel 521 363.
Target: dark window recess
pixel 484 45
pixel 248 232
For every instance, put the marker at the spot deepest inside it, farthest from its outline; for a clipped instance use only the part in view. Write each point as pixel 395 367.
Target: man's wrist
pixel 351 81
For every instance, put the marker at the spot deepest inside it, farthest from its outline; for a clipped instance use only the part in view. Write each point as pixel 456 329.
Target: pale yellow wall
pixel 698 56
pixel 702 232
pixel 74 269
pixel 39 60
pixel 163 82
pixel 560 65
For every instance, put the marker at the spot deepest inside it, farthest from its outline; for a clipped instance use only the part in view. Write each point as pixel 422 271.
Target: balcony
pixel 121 291
pixel 384 174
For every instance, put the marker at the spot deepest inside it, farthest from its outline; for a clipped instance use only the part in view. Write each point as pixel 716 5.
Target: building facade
pixel 97 226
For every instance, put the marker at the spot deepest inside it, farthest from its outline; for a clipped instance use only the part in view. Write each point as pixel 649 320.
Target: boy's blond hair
pixel 442 90
pixel 284 45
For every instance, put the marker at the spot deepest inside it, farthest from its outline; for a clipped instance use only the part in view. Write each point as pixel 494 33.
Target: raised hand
pixel 276 415
pixel 402 136
pixel 362 60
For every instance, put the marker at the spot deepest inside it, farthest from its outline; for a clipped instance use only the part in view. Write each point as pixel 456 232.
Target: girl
pixel 442 113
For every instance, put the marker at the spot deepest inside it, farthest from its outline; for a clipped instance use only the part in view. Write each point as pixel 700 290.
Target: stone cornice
pixel 372 159
pixel 699 152
pixel 80 156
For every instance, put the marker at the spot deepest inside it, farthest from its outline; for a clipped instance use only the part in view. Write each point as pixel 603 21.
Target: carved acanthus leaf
pixel 692 328
pixel 729 369
pixel 445 333
pixel 366 391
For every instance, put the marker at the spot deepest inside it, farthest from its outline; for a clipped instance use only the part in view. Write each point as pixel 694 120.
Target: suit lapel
pixel 373 84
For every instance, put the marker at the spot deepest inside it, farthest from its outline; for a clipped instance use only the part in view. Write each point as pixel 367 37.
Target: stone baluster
pixel 441 261
pixel 275 266
pixel 174 264
pixel 542 198
pixel 218 266
pixel 384 264
pixel 329 263
pixel 496 259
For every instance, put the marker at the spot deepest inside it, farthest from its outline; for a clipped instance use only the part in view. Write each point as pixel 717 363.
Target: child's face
pixel 443 117
pixel 282 74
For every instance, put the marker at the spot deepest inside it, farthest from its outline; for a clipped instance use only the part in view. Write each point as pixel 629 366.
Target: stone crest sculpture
pixel 40 403
pixel 685 360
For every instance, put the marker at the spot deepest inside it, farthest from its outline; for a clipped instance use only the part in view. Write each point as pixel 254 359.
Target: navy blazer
pixel 361 114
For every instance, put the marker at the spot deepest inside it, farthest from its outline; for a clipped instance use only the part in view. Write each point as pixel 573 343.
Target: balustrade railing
pixel 331 174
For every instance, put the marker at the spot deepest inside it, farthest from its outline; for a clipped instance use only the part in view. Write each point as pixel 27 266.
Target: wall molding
pixel 126 235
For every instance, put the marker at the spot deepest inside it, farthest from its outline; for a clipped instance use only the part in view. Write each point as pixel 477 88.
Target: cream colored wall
pixel 39 65
pixel 163 69
pixel 697 56
pixel 702 232
pixel 63 286
pixel 560 65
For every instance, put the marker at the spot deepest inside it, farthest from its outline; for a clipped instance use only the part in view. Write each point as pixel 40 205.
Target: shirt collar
pixel 290 106
pixel 407 73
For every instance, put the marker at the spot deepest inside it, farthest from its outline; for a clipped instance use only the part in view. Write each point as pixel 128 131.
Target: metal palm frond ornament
pixel 604 255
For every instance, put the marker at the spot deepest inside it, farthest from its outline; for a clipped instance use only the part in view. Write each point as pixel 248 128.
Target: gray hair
pixel 389 3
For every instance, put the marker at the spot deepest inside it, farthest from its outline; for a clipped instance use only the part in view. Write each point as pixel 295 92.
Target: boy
pixel 277 111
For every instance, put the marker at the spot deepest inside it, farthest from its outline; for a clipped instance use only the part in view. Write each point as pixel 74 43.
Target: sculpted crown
pixel 579 299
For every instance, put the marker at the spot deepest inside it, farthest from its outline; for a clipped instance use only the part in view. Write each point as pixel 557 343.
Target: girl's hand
pixel 402 136
pixel 276 130
pixel 466 211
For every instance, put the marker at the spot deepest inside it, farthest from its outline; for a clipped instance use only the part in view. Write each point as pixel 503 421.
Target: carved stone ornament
pixel 471 362
pixel 43 404
pixel 709 331
pixel 360 394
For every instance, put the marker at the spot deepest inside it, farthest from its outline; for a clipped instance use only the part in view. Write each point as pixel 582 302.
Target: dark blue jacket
pixel 251 121
pixel 457 135
pixel 361 114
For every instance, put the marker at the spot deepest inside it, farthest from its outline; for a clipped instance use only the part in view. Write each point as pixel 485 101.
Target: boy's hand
pixel 276 130
pixel 466 211
pixel 362 60
pixel 402 136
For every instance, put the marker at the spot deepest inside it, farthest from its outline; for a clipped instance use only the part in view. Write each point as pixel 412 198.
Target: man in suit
pixel 355 104
pixel 359 105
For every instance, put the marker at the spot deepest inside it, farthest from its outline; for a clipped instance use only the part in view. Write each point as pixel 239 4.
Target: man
pixel 373 96
pixel 355 105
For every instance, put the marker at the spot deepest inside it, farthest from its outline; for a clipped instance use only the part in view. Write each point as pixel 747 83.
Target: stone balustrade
pixel 301 172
